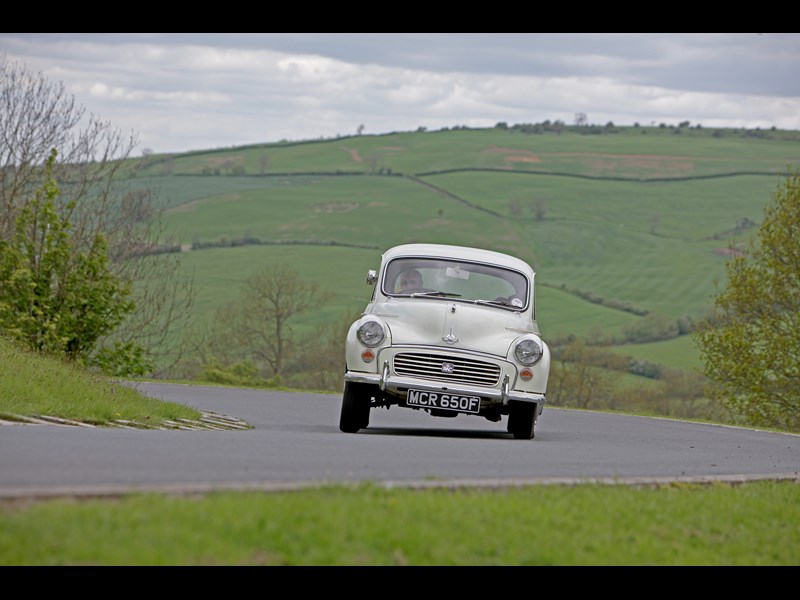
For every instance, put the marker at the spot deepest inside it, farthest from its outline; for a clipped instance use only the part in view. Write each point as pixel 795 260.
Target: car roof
pixel 459 252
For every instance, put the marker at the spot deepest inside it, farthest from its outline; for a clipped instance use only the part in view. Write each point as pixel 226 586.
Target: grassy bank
pixel 32 385
pixel 746 525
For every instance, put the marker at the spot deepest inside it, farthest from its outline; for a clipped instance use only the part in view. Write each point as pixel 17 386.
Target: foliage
pixel 56 295
pixel 750 343
pixel 94 162
pixel 597 378
pixel 650 328
pixel 322 369
pixel 578 377
pixel 241 374
pixel 122 359
pixel 34 384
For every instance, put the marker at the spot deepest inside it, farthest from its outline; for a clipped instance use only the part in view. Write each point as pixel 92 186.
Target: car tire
pixel 522 420
pixel 355 407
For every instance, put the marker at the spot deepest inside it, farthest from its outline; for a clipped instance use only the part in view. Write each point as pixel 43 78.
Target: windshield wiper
pixel 436 293
pixel 493 302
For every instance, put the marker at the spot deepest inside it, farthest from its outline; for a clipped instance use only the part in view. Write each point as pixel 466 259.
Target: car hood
pixel 480 328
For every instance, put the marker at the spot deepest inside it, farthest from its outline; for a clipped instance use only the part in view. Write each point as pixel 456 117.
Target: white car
pixel 449 330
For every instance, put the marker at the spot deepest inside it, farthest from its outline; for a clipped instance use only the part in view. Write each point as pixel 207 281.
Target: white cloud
pixel 195 91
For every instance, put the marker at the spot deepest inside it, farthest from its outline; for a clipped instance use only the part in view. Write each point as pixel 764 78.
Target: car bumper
pixel 398 384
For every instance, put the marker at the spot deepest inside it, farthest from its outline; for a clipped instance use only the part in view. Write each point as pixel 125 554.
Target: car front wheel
pixel 355 407
pixel 522 420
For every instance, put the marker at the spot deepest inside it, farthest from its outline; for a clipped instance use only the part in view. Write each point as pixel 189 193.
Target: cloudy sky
pixel 192 91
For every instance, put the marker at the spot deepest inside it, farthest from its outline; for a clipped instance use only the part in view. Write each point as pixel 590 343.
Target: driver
pixel 410 279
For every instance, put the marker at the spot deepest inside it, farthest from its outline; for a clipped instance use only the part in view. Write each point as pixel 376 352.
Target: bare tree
pixel 654 221
pixel 260 325
pixel 263 161
pixel 323 369
pixel 578 379
pixel 539 209
pixel 38 116
pixel 374 164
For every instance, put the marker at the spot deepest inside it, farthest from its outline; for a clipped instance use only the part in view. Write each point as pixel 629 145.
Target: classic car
pixel 449 330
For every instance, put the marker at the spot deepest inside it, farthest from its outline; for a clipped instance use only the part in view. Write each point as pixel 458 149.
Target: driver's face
pixel 410 281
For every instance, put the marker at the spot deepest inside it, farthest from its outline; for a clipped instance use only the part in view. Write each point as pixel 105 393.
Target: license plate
pixel 454 402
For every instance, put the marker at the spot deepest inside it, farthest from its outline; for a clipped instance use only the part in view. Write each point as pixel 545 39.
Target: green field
pixel 642 218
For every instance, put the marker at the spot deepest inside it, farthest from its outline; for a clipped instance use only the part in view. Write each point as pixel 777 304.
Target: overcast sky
pixel 192 91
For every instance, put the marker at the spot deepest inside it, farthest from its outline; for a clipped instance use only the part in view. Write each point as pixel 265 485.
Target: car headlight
pixel 528 351
pixel 371 333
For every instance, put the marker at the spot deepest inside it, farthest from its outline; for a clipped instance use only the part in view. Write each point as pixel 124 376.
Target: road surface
pixel 295 442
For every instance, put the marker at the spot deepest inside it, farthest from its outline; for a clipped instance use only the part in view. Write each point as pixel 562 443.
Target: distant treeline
pixel 253 241
pixel 597 177
pixel 240 171
pixel 226 242
pixel 590 296
pixel 545 127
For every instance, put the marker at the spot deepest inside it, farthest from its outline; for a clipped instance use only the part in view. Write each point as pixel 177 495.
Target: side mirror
pixel 372 276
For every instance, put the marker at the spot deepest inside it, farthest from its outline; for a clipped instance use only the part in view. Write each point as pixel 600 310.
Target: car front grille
pixel 450 368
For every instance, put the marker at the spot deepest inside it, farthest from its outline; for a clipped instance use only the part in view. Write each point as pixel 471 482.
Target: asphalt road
pixel 295 442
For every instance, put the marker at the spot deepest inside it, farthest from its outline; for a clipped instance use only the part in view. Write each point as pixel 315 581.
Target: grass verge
pixel 751 524
pixel 33 385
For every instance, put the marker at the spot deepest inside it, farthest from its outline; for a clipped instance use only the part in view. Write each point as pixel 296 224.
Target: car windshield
pixel 461 280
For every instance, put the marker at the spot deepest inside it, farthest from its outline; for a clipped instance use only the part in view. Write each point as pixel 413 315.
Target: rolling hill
pixel 621 224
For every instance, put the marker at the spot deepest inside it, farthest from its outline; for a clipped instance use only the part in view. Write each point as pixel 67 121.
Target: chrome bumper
pixel 394 384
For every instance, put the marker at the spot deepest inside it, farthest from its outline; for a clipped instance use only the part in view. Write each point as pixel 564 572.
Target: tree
pixel 37 116
pixel 578 377
pixel 56 295
pixel 263 161
pixel 323 368
pixel 93 179
pixel 750 343
pixel 260 325
pixel 539 209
